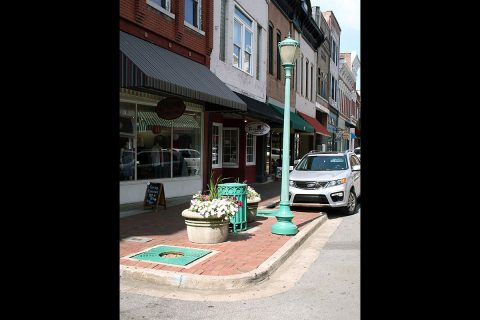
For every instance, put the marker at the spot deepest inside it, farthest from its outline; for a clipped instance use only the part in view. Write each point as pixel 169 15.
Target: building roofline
pixel 335 19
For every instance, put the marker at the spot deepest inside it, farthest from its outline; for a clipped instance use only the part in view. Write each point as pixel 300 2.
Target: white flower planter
pixel 252 206
pixel 205 230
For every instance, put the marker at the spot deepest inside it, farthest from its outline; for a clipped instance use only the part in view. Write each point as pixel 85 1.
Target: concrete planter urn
pixel 205 229
pixel 252 206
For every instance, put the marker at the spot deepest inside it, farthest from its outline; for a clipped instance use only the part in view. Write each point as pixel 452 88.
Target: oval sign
pixel 257 128
pixel 170 108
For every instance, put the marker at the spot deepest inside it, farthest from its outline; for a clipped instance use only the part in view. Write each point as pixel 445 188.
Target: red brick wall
pixel 146 22
pixel 250 174
pixel 243 172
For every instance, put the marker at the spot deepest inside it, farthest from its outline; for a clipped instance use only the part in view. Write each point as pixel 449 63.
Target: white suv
pixel 326 179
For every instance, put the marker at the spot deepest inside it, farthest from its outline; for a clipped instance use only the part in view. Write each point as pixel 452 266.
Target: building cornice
pixel 302 21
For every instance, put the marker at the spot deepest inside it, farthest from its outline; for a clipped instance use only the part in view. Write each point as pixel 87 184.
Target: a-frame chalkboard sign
pixel 154 196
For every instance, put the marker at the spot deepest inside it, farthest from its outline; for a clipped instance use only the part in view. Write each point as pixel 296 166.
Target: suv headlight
pixel 291 183
pixel 336 182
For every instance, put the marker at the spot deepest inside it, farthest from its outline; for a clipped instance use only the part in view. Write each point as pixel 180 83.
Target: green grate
pixel 171 255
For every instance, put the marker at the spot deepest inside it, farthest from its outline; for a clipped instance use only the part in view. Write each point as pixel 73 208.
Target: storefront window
pixel 156 148
pixel 216 145
pixel 127 141
pixel 251 146
pixel 187 145
pixel 230 147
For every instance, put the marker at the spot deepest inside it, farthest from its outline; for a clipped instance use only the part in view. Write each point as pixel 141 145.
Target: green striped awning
pixel 296 122
pixel 148 119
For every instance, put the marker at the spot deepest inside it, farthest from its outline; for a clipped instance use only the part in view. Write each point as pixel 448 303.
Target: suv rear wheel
pixel 352 203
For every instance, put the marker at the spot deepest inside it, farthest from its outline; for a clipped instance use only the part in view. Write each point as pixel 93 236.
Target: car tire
pixel 352 203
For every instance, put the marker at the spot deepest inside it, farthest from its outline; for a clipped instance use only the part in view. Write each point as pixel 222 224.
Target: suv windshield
pixel 322 163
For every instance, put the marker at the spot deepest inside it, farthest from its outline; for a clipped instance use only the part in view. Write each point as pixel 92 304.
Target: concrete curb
pixel 204 282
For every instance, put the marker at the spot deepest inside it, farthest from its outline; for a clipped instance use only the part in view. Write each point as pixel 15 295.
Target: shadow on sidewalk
pixel 234 237
pixel 307 221
pixel 337 213
pixel 151 223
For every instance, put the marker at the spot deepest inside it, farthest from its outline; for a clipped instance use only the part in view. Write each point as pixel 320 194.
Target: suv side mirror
pixel 356 167
pixel 291 168
pixel 295 161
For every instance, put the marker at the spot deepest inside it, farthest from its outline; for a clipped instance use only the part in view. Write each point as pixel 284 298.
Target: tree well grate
pixel 171 255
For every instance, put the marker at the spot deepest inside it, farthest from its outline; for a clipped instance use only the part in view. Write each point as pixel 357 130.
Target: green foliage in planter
pixel 212 187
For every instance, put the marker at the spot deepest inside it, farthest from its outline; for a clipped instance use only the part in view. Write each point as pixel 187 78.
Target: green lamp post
pixel 289 51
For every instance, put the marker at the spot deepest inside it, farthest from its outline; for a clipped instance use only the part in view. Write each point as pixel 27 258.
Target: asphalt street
pixel 320 281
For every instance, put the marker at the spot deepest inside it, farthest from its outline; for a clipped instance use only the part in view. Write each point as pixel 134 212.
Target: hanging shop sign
pixel 257 128
pixel 170 108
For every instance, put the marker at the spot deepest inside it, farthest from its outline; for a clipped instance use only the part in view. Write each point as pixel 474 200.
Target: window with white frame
pixel 216 145
pixel 336 90
pixel 251 146
pixel 193 13
pixel 230 147
pixel 162 5
pixel 319 78
pixel 242 41
pixel 311 82
pixel 306 79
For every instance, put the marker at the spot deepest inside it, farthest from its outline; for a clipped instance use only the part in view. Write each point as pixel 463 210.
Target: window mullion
pixel 242 43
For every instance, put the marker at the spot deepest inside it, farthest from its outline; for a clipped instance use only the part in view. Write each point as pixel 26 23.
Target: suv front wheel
pixel 352 203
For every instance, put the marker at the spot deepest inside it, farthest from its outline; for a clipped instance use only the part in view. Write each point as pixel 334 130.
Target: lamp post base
pixel 284 225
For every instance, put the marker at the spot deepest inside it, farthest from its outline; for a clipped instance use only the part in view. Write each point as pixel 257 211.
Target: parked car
pixel 357 152
pixel 275 154
pixel 192 158
pixel 186 162
pixel 326 179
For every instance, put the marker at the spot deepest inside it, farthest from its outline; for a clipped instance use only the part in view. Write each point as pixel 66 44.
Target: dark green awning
pixel 296 122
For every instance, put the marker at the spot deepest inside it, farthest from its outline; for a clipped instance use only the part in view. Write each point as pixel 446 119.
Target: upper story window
pixel 162 6
pixel 242 41
pixel 332 121
pixel 332 86
pixel 270 48
pixel 301 78
pixel 311 82
pixel 319 79
pixel 193 13
pixel 279 60
pixel 334 52
pixel 306 79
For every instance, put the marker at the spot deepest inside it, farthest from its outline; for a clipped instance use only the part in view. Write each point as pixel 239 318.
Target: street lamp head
pixel 289 50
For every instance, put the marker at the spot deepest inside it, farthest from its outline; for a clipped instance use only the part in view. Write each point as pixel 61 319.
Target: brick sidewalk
pixel 242 252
